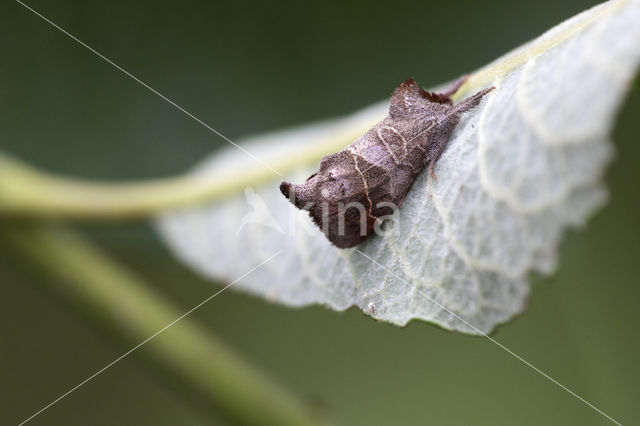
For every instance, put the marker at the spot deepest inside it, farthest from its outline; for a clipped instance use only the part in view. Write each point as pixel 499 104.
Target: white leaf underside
pixel 519 169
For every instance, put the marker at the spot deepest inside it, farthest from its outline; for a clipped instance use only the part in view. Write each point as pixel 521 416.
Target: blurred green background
pixel 248 67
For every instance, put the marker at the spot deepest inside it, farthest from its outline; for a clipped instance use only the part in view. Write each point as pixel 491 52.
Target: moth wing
pixel 339 179
pixel 393 143
pixel 405 99
pixel 408 97
pixel 376 181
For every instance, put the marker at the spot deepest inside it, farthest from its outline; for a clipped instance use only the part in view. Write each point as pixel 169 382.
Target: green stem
pixel 28 192
pixel 114 297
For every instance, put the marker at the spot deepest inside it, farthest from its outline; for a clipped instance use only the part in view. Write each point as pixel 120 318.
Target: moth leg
pixel 439 144
pixel 453 87
pixel 431 172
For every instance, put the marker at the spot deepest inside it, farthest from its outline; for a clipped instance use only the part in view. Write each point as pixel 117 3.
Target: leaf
pixel 519 169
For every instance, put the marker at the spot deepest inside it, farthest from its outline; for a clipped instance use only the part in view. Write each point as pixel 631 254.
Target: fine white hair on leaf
pixel 518 171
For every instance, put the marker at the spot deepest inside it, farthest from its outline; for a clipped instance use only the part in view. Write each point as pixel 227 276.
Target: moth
pixel 359 186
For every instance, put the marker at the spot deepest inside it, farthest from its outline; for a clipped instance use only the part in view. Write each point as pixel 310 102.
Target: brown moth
pixel 358 186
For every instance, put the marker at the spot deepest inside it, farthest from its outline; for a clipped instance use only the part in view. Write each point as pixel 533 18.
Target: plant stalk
pixel 117 299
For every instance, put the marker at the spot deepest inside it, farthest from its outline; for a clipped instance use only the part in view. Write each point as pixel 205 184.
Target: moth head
pixel 298 195
pixel 322 189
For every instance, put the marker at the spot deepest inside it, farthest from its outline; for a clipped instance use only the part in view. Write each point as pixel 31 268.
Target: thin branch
pixel 118 300
pixel 25 191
